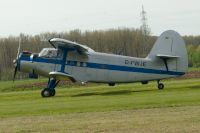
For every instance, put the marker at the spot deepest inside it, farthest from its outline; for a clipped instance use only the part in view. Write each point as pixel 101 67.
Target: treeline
pixel 122 41
pixel 194 55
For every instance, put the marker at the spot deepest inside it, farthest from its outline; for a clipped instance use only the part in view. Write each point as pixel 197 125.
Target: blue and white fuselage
pixel 99 67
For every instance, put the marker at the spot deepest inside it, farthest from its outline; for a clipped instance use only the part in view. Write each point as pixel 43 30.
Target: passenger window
pixel 51 53
pixel 59 54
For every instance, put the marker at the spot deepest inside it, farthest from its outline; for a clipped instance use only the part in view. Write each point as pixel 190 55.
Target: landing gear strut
pixel 50 90
pixel 160 85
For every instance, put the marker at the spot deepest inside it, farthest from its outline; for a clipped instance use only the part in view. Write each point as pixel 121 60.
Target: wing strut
pixel 166 64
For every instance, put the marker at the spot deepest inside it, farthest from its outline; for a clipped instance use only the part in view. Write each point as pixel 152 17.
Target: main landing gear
pixel 50 90
pixel 160 85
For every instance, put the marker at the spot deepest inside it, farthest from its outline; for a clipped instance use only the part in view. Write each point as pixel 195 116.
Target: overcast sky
pixel 36 16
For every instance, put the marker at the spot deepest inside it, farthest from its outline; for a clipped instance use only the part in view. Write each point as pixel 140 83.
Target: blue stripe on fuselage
pixel 42 60
pixel 104 66
pixel 131 69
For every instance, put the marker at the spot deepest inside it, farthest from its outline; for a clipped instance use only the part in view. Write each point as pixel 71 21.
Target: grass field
pixel 123 108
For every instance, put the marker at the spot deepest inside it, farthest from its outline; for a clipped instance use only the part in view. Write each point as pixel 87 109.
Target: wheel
pixel 53 92
pixel 111 84
pixel 161 86
pixel 46 92
pixel 144 82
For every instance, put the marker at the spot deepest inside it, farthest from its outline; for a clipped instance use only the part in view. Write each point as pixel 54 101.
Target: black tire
pixel 53 92
pixel 111 84
pixel 161 86
pixel 46 92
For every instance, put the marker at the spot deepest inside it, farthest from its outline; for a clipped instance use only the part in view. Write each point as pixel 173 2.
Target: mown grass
pixel 156 120
pixel 100 98
pixel 100 108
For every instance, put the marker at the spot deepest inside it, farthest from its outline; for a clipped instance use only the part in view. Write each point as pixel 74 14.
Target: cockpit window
pixel 50 53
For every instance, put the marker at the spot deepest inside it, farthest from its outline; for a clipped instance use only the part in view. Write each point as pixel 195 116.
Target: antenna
pixel 144 26
pixel 145 31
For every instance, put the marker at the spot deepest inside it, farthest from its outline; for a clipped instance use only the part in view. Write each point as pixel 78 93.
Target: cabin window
pixel 78 64
pixel 84 64
pixel 51 53
pixel 59 54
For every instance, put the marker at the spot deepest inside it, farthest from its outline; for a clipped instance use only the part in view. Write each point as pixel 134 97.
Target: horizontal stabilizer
pixel 163 56
pixel 61 76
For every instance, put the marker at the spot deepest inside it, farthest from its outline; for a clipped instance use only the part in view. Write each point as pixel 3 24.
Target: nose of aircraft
pixel 14 62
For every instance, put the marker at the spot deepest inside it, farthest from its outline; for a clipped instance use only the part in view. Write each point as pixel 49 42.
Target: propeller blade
pixel 17 58
pixel 19 48
pixel 15 72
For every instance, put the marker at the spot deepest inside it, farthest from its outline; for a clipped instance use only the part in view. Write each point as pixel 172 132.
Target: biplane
pixel 79 63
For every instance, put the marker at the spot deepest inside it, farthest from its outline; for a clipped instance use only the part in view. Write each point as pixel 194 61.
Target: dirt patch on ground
pixel 44 85
pixel 190 75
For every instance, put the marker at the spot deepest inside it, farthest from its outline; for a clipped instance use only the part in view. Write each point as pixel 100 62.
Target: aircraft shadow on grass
pixel 195 87
pixel 119 92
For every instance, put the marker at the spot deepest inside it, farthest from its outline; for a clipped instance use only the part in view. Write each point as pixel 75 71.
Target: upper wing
pixel 62 43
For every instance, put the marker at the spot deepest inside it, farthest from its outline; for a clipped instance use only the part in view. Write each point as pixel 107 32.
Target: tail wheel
pixel 161 86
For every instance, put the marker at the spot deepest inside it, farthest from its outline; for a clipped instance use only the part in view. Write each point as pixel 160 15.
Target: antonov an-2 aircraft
pixel 79 63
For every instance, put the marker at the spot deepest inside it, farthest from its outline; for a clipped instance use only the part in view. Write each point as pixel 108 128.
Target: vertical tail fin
pixel 170 47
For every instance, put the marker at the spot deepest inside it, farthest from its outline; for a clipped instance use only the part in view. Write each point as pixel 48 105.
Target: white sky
pixel 36 16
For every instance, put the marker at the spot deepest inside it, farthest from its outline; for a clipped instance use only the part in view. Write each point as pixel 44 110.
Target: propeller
pixel 15 61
